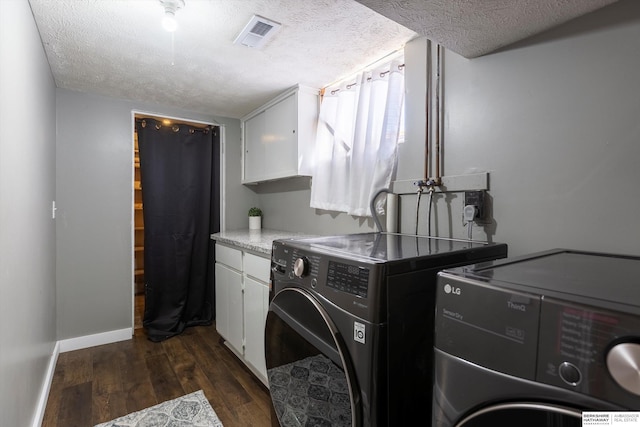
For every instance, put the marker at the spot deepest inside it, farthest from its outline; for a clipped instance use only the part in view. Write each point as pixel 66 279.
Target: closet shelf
pixel 138 220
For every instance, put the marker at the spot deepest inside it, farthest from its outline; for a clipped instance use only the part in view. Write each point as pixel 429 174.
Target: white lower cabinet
pixel 256 297
pixel 242 298
pixel 229 305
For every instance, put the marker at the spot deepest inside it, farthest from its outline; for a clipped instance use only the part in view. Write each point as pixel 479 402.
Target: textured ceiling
pixel 118 47
pixel 476 27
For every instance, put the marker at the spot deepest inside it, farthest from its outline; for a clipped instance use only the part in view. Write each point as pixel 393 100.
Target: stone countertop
pixel 259 241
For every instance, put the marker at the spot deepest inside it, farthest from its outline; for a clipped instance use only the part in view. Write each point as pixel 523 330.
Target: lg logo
pixel 452 290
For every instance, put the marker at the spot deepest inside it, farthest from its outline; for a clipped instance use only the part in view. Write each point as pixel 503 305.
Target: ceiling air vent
pixel 257 32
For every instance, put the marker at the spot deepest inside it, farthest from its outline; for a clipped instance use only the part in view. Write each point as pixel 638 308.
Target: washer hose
pixel 372 207
pixel 418 208
pixel 431 190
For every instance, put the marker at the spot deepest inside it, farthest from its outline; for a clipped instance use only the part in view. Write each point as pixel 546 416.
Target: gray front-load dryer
pixel 537 340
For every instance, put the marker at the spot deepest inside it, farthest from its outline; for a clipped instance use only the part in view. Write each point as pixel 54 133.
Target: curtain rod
pixel 174 126
pixel 388 57
pixel 350 85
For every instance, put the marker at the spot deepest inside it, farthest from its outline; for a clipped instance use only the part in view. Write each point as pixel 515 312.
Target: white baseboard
pixel 87 341
pixel 71 344
pixel 46 387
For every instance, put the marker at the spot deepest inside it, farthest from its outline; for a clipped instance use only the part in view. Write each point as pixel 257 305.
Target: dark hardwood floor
pixel 101 383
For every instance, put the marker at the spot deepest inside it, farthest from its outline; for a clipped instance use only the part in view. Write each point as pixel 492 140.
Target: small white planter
pixel 255 222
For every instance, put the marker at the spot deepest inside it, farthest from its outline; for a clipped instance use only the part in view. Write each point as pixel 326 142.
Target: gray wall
pixel 27 231
pixel 285 206
pixel 555 120
pixel 94 190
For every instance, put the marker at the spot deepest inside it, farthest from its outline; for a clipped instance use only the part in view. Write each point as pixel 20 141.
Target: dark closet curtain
pixel 176 176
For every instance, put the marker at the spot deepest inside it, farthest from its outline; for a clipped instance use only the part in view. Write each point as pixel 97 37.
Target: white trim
pixel 223 179
pixel 133 219
pixel 46 387
pixel 179 119
pixel 87 341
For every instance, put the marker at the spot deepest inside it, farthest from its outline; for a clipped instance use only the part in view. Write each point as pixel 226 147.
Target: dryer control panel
pixel 564 318
pixel 574 344
pixel 489 326
pixel 539 338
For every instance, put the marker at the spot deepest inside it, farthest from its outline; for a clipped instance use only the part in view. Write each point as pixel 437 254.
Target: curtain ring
pixel 175 128
pixel 158 126
pixel 333 92
pixel 349 86
pixel 143 123
pixel 192 131
pixel 400 67
pixel 384 73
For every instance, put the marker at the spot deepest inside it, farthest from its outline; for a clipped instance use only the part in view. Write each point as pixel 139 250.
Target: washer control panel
pixel 352 279
pixel 349 283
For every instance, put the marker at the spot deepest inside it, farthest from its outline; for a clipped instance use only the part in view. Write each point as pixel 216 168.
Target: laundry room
pixel 503 132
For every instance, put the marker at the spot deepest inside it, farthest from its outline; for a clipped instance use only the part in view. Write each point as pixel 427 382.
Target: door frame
pixel 222 170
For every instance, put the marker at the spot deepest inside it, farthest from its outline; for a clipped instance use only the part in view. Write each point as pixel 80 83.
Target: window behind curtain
pixel 359 126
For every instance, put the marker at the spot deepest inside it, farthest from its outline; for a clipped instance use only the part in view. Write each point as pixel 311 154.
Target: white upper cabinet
pixel 278 138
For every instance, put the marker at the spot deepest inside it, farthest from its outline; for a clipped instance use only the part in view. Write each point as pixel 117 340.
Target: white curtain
pixel 357 138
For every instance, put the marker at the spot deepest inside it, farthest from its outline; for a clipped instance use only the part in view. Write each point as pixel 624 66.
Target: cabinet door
pixel 254 148
pixel 229 305
pixel 256 296
pixel 281 144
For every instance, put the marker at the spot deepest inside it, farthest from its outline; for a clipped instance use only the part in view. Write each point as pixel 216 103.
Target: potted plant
pixel 255 218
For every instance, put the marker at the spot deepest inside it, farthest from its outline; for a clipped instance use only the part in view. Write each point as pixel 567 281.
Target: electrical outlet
pixel 477 199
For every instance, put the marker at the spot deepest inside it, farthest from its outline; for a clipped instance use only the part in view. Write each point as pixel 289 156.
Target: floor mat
pixel 191 410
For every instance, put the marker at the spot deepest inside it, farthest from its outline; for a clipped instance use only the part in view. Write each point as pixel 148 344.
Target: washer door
pixel 310 375
pixel 524 415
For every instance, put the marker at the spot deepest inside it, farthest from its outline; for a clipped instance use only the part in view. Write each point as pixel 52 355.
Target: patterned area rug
pixel 191 410
pixel 310 392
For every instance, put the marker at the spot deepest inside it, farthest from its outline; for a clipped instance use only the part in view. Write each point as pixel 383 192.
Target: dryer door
pixel 524 414
pixel 311 378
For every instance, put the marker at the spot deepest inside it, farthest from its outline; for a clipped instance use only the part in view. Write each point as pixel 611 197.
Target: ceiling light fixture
pixel 169 22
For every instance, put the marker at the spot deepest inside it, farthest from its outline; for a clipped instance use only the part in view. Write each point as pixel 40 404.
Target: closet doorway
pixel 202 258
